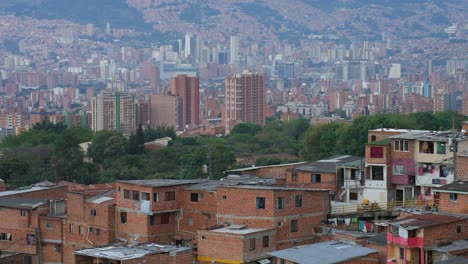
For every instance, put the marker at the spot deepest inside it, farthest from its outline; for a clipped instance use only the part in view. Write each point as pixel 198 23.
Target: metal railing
pixel 351 208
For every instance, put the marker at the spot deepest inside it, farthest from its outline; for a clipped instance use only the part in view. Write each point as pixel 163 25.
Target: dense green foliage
pixel 52 152
pixel 349 138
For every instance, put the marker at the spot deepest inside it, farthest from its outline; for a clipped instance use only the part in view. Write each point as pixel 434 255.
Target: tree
pixel 106 145
pixel 321 141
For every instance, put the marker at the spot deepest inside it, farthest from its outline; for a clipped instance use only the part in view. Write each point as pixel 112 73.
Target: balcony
pixel 405 242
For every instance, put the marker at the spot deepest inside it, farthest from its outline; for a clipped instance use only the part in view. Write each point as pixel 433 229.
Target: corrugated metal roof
pixel 323 253
pixel 458 186
pixel 21 203
pixel 327 165
pixel 128 252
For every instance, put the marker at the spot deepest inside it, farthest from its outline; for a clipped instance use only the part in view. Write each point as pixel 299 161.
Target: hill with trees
pixel 52 151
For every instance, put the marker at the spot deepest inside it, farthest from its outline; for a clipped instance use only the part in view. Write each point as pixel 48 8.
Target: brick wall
pixel 458 207
pixel 198 214
pixel 238 206
pixel 462 168
pixel 19 226
pixel 327 180
pixel 233 247
pixel 445 233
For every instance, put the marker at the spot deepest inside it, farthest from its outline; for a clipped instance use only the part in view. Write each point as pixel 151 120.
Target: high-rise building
pixel 108 28
pixel 188 46
pixel 114 111
pixel 189 89
pixel 245 100
pixel 166 110
pixel 234 49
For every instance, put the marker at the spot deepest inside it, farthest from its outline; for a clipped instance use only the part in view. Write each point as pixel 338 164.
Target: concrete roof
pixel 128 252
pixel 274 188
pixel 102 198
pixel 21 203
pixel 327 165
pixel 231 180
pixel 161 182
pixel 411 134
pixel 239 230
pixel 454 187
pixel 323 253
pixel 268 166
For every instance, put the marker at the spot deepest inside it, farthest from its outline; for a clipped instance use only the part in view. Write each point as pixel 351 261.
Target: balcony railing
pixel 351 208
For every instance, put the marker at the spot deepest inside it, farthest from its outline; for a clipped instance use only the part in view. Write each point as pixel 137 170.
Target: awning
pixel 264 261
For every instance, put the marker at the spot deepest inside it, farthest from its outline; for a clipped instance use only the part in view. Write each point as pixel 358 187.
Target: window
pixel 165 218
pixel 252 244
pixel 91 230
pixel 266 241
pixel 98 231
pixel 377 173
pixel 151 219
pixel 441 148
pixel 135 195
pixel 399 170
pixel 353 196
pixel 123 217
pixel 459 229
pixel 24 213
pixel 402 253
pixel 155 197
pixel 5 236
pixel 31 240
pixel 260 203
pixel 126 194
pixel 294 226
pixel 145 196
pixel 298 200
pixel 71 228
pixel 49 225
pixel 80 230
pixel 224 197
pixel 294 176
pixel 426 147
pixel 377 152
pixel 315 178
pixel 280 203
pixel 93 212
pixel 373 138
pixel 169 196
pixel 454 197
pixel 195 197
pixel 190 221
pixel 282 261
pixel 57 248
pixel 401 145
pixel 203 237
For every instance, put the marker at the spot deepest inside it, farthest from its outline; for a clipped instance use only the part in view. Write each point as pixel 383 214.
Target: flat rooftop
pixel 238 230
pixel 328 165
pixel 128 252
pixel 161 182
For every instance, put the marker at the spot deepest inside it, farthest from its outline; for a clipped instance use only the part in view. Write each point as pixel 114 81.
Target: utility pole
pixel 455 149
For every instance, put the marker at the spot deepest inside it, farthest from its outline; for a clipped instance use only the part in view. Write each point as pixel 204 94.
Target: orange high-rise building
pixel 245 100
pixel 189 89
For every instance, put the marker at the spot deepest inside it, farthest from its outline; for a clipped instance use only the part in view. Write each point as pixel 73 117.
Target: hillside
pixel 261 20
